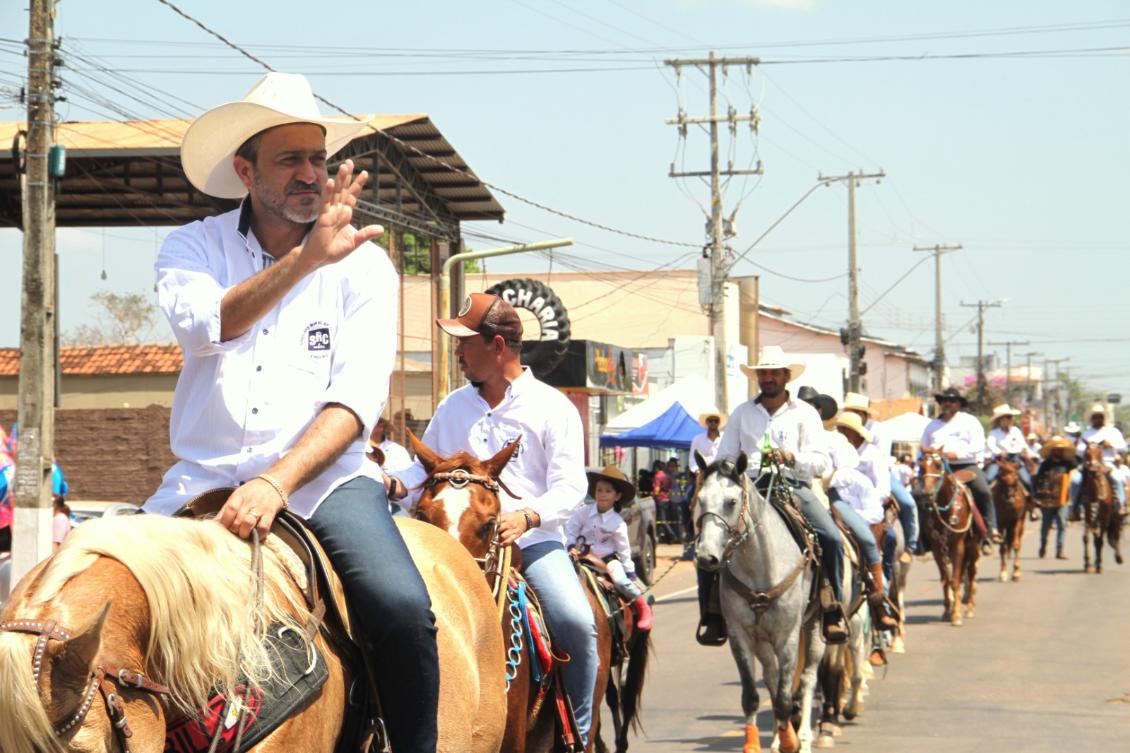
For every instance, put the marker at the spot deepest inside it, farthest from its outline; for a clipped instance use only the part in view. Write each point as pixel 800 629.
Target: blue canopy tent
pixel 673 428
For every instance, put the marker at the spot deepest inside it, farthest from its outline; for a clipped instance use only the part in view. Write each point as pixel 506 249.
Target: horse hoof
pixel 824 741
pixel 852 712
pixel 787 740
pixel 1118 557
pixel 898 645
pixel 752 740
pixel 1016 576
pixel 970 613
pixel 1003 577
pixel 956 621
pixel 1098 569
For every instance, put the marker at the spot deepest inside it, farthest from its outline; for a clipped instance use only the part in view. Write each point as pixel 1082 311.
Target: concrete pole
pixel 939 340
pixel 717 253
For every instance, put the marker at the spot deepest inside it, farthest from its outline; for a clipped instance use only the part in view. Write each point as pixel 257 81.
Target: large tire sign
pixel 544 352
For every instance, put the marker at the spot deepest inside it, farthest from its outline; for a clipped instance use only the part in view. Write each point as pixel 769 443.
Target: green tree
pixel 417 250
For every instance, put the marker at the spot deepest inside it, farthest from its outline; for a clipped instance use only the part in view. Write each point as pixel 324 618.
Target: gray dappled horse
pixel 740 535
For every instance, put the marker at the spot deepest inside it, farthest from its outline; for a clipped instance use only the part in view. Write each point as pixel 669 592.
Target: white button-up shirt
pixel 707 447
pixel 852 479
pixel 242 404
pixel 1011 442
pixel 396 457
pixel 606 533
pixel 547 471
pixel 795 427
pixel 962 434
pixel 1106 434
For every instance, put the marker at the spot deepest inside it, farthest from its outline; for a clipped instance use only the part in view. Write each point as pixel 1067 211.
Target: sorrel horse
pixel 1101 518
pixel 170 601
pixel 461 496
pixel 952 537
pixel 1011 500
pixel 765 587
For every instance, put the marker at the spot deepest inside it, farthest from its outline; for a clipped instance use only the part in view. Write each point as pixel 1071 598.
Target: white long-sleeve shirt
pixel 1011 442
pixel 850 479
pixel 877 467
pixel 707 447
pixel 962 434
pixel 1105 434
pixel 547 471
pixel 606 533
pixel 242 404
pixel 795 427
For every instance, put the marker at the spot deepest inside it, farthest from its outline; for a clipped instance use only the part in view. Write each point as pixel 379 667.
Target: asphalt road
pixel 1044 666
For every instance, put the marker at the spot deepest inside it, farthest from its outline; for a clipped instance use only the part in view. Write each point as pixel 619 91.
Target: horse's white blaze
pixel 455 503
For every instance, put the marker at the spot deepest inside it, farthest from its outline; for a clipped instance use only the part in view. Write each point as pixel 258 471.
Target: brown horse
pixel 171 600
pixel 1011 500
pixel 952 537
pixel 461 496
pixel 1101 519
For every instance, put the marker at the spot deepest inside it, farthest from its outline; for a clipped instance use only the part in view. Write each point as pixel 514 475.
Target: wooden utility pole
pixel 939 341
pixel 981 306
pixel 31 524
pixel 716 231
pixel 855 326
pixel 1008 366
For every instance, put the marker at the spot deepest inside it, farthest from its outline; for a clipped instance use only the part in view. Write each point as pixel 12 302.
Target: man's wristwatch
pixel 394 486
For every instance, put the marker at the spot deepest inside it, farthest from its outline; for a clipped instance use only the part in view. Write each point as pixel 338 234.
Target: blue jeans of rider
pixel 908 512
pixel 831 546
pixel 549 570
pixel 859 528
pixel 1056 516
pixel 388 597
pixel 1025 478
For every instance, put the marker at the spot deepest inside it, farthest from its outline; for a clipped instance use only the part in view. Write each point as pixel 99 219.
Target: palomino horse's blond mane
pixel 204 631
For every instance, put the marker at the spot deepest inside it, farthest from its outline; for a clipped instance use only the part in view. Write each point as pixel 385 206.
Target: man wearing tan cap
pixel 503 404
pixel 286 315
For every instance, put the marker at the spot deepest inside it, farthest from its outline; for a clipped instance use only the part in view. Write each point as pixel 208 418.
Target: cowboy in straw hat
pixel 1056 471
pixel 286 314
pixel 1112 442
pixel 1007 442
pixel 860 405
pixel 793 430
pixel 706 443
pixel 857 492
pixel 960 438
pixel 600 528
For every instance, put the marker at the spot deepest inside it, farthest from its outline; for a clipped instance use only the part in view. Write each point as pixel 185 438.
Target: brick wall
pixel 117 454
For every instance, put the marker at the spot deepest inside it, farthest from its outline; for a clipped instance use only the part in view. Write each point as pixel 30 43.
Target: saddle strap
pixel 761 600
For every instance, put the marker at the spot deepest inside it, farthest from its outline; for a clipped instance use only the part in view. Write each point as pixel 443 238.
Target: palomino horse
pixel 952 536
pixel 765 586
pixel 1011 500
pixel 461 496
pixel 1101 518
pixel 170 601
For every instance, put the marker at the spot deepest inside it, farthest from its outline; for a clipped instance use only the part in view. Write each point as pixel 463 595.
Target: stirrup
pixel 711 631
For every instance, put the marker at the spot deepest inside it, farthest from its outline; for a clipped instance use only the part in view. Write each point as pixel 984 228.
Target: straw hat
pixel 853 422
pixel 616 477
pixel 712 414
pixel 773 357
pixel 854 401
pixel 1002 410
pixel 1057 443
pixel 277 99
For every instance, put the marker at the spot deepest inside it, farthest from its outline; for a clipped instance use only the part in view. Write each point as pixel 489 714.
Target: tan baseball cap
pixel 484 314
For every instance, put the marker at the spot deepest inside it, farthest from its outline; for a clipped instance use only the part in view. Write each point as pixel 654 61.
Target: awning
pixel 674 428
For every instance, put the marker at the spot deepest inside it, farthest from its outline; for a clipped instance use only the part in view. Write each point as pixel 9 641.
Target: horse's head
pixel 723 506
pixel 1009 474
pixel 1093 455
pixel 931 472
pixel 461 494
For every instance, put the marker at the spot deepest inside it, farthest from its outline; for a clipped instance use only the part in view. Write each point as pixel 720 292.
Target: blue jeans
pixel 859 528
pixel 908 512
pixel 831 546
pixel 389 601
pixel 1058 517
pixel 549 570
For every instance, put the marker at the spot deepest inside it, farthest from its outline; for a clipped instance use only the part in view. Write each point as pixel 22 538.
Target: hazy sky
pixel 1001 126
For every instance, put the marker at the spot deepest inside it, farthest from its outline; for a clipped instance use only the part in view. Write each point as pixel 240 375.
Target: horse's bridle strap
pixel 460 477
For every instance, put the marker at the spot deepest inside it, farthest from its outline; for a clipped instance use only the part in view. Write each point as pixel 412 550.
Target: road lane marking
pixel 672 595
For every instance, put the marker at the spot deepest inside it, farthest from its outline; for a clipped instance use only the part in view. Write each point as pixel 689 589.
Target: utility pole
pixel 717 227
pixel 854 332
pixel 939 341
pixel 31 524
pixel 1050 400
pixel 981 306
pixel 1008 366
pixel 1028 394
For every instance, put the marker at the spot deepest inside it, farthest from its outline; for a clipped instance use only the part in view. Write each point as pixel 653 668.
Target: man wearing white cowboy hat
pixel 1112 442
pixel 908 511
pixel 286 315
pixel 1006 442
pixel 795 432
pixel 960 438
pixel 706 443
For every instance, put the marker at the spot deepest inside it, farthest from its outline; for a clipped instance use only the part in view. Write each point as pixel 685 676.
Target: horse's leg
pixel 830 676
pixel 1017 537
pixel 953 590
pixel 1087 536
pixel 1006 545
pixel 814 651
pixel 1098 540
pixel 1114 536
pixel 777 672
pixel 972 553
pixel 743 649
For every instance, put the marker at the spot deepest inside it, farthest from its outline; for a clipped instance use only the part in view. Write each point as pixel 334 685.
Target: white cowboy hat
pixel 709 414
pixel 772 357
pixel 1096 408
pixel 1073 428
pixel 1002 410
pixel 857 402
pixel 211 141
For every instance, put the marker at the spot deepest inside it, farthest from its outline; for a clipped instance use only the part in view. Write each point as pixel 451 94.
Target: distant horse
pixel 1010 497
pixel 765 589
pixel 1101 519
pixel 948 525
pixel 461 496
pixel 156 613
pixel 844 670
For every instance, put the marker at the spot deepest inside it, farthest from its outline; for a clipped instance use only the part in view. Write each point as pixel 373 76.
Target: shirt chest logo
pixel 317 339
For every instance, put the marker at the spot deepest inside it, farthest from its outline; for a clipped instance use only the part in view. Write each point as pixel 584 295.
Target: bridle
pixel 104 678
pixel 460 477
pixel 736 536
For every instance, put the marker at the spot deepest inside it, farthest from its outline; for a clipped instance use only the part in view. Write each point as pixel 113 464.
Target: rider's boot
pixel 643 613
pixel 877 601
pixel 835 624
